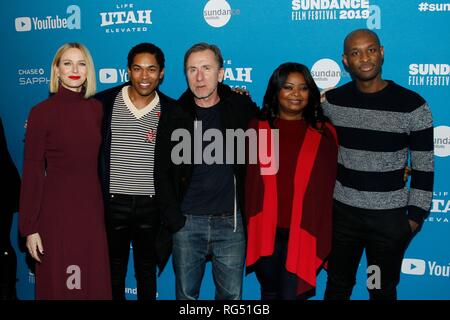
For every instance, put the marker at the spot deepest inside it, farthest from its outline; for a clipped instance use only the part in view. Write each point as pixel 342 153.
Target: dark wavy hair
pixel 312 113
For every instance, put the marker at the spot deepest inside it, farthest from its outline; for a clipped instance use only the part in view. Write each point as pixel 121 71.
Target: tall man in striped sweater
pixel 131 120
pixel 379 124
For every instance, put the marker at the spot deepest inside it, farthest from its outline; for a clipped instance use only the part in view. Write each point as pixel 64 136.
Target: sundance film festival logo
pixel 132 291
pixel 217 13
pixel 433 7
pixel 32 76
pixel 72 21
pixel 126 18
pixel 326 73
pixel 31 277
pixel 427 74
pixel 442 141
pixel 113 75
pixel 329 9
pixel 238 76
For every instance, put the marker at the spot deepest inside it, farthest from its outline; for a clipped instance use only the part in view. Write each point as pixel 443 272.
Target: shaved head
pixel 359 32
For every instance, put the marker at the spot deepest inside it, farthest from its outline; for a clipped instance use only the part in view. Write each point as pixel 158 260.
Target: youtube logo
pixel 413 266
pixel 23 24
pixel 108 75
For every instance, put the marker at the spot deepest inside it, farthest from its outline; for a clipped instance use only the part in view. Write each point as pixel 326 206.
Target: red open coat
pixel 310 229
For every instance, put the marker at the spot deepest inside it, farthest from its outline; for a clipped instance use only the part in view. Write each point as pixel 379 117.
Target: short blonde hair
pixel 90 84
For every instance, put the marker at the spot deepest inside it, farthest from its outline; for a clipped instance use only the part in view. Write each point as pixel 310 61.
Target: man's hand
pixel 407 173
pixel 241 91
pixel 322 94
pixel 414 225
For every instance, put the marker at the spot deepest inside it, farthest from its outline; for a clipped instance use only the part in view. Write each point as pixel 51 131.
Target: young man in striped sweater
pixel 380 126
pixel 130 123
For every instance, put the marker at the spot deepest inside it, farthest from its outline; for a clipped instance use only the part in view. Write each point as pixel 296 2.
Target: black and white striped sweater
pixel 379 133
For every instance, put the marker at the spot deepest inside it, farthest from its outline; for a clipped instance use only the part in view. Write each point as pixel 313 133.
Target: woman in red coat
pixel 289 210
pixel 61 208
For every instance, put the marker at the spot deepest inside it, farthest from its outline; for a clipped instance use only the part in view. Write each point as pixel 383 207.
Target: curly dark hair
pixel 312 113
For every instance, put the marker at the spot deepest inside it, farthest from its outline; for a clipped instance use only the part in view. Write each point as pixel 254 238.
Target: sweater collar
pixel 388 87
pixel 69 94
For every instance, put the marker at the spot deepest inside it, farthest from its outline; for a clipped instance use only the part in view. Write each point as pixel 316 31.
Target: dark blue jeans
pixel 384 235
pixel 207 237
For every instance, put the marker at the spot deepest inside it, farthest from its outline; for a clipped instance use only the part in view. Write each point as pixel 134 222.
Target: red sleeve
pixel 33 173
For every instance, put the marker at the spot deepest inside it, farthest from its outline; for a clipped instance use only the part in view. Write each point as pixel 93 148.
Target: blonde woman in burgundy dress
pixel 61 209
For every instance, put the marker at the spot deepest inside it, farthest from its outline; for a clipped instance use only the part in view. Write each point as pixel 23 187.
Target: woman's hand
pixel 34 245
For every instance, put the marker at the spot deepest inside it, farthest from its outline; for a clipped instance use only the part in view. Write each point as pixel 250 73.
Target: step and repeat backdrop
pixel 255 37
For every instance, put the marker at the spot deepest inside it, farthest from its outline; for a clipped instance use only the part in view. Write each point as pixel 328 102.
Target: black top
pixel 211 190
pixel 172 180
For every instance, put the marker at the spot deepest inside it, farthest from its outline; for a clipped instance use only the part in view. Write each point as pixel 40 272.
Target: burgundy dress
pixel 61 197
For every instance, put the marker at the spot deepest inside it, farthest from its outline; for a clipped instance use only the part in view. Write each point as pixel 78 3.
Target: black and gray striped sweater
pixel 379 134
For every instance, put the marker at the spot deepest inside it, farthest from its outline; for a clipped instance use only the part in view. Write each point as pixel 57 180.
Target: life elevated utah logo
pixel 440 207
pixel 237 76
pixel 71 21
pixel 126 18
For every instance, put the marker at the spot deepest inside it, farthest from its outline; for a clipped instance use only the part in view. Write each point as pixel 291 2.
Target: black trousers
pixel 384 234
pixel 276 282
pixel 135 220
